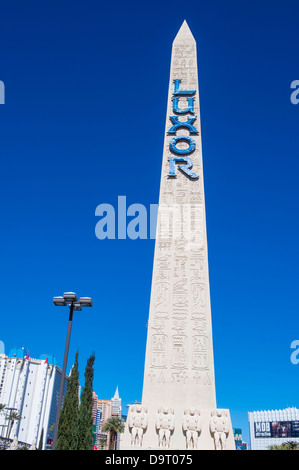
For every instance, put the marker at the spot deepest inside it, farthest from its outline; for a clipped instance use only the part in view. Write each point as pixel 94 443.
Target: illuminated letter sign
pixel 182 138
pixel 189 109
pixel 184 168
pixel 182 155
pixel 179 92
pixel 185 124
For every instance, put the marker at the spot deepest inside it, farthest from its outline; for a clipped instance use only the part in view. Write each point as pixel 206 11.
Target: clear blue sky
pixel 86 90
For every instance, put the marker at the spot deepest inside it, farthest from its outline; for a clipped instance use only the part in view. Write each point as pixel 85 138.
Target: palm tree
pixel 102 441
pixel 113 426
pixel 40 444
pixel 12 417
pixel 289 445
pixel 2 407
pixel 292 445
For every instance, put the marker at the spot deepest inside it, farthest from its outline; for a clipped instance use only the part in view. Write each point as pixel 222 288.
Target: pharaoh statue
pixel 192 427
pixel 165 426
pixel 219 427
pixel 137 424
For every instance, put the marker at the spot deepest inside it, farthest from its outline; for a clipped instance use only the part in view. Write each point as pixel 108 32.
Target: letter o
pixel 184 138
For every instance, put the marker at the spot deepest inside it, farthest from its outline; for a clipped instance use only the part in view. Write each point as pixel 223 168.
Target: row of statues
pixel 191 426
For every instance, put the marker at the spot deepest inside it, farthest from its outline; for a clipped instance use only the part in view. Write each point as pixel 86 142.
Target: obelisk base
pixel 178 428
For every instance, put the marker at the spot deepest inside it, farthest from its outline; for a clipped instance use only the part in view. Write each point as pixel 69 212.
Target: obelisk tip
pixel 184 34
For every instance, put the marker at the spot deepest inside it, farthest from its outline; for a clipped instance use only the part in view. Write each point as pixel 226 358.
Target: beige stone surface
pixel 179 363
pixel 180 428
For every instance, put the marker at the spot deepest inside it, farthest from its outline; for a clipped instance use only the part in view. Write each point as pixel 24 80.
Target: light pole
pixel 69 298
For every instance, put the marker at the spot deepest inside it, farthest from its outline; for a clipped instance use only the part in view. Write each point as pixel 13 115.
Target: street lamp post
pixel 69 298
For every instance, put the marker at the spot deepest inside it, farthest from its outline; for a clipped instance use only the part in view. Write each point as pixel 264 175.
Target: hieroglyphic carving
pixel 164 246
pixel 179 287
pixel 197 258
pixel 180 247
pixel 163 268
pixel 180 266
pixel 179 354
pixel 183 65
pixel 181 197
pixel 165 224
pixel 161 378
pixel 162 296
pixel 179 326
pixel 198 294
pixel 195 197
pixel 167 198
pixel 151 376
pixel 199 352
pixel 202 378
pixel 179 377
pixel 183 51
pixel 180 307
pixel 158 325
pixel 159 347
pixel 199 324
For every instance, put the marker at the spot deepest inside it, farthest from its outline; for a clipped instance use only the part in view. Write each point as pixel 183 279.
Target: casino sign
pixel 179 155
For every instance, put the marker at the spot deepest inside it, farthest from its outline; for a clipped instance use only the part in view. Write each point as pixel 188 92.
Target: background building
pixel 106 409
pixel 273 427
pixel 240 445
pixel 30 387
pixel 116 410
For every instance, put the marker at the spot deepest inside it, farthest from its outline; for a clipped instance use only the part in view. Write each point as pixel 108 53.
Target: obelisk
pixel 178 409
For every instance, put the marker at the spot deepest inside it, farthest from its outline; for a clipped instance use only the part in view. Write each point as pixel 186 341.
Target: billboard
pixel 266 429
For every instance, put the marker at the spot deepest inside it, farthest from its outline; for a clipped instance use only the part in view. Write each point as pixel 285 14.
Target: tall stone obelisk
pixel 178 409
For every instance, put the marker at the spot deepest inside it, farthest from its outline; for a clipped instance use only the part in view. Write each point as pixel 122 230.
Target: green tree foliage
pixel 40 444
pixel 113 425
pixel 102 441
pixel 11 418
pixel 67 436
pixel 85 434
pixel 289 445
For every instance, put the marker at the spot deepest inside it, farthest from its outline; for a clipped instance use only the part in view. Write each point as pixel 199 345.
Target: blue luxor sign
pixel 182 155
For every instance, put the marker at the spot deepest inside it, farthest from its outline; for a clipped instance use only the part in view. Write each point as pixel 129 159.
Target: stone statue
pixel 219 427
pixel 137 424
pixel 192 426
pixel 165 426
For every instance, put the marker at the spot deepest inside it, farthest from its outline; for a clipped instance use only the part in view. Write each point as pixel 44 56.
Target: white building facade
pixel 30 388
pixel 116 410
pixel 273 427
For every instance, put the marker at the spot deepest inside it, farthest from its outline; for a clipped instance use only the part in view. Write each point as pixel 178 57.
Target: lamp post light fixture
pixel 69 298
